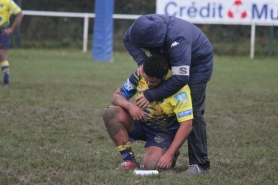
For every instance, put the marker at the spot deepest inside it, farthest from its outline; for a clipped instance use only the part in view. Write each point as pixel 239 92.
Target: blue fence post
pixel 103 31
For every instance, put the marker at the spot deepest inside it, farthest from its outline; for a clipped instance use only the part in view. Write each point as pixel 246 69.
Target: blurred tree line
pixel 43 31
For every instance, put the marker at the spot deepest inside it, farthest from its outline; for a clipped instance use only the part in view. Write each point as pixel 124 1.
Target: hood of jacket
pixel 148 31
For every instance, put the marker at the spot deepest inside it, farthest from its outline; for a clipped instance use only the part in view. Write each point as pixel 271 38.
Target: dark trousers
pixel 197 140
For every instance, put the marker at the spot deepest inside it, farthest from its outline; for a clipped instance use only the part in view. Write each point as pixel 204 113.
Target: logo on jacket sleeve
pixel 174 44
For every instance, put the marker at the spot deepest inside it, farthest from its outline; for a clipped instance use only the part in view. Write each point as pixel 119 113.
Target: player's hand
pixel 137 114
pixel 140 71
pixel 7 31
pixel 164 162
pixel 142 102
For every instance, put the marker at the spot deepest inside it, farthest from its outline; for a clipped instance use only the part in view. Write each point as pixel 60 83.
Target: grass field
pixel 52 131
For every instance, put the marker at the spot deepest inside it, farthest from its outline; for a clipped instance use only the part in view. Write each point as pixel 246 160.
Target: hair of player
pixel 155 66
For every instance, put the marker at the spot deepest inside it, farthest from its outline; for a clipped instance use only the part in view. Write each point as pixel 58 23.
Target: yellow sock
pixel 4 63
pixel 5 66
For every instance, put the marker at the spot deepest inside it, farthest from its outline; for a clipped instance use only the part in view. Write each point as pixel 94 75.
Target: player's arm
pixel 119 100
pixel 18 18
pixel 17 21
pixel 122 95
pixel 180 60
pixel 182 104
pixel 180 137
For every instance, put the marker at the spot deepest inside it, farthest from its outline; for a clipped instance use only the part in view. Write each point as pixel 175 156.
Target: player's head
pixel 155 70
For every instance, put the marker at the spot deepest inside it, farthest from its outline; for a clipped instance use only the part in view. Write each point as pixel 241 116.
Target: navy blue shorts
pixel 4 41
pixel 152 136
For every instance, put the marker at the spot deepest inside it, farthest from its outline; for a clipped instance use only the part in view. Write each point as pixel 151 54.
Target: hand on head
pixel 140 71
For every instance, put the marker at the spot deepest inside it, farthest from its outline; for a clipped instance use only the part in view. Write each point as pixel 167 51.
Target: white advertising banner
pixel 260 12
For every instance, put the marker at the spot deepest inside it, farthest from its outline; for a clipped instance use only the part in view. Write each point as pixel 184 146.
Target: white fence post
pixel 85 32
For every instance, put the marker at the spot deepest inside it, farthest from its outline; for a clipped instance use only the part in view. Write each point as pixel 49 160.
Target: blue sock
pixel 6 74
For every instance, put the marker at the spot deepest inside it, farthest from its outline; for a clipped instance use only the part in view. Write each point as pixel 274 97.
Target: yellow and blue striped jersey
pixel 163 114
pixel 6 7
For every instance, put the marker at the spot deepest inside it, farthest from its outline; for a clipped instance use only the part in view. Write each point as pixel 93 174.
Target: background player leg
pixel 5 67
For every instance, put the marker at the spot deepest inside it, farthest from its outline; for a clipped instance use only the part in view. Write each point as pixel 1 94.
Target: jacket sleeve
pixel 179 51
pixel 135 51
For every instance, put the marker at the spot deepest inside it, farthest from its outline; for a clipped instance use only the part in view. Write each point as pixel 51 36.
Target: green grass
pixel 52 131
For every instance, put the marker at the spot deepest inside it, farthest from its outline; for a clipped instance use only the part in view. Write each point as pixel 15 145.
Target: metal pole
pixel 271 41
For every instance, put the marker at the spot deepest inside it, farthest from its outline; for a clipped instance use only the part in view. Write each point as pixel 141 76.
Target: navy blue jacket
pixel 185 46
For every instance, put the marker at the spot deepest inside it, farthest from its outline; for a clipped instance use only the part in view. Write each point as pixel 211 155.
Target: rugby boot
pixel 128 165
